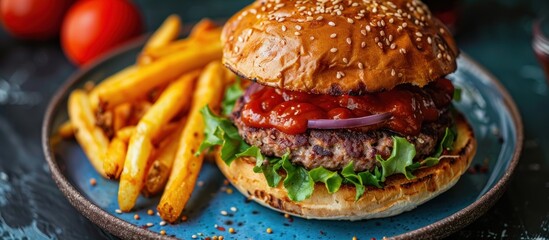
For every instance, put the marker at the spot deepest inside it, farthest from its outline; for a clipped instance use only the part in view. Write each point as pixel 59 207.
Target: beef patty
pixel 334 149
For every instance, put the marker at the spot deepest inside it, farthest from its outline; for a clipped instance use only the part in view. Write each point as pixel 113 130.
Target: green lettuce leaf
pixel 350 176
pixel 255 152
pixel 401 158
pixel 232 94
pixel 298 182
pixel 371 179
pixel 269 168
pixel 221 131
pixel 457 94
pixel 331 179
pixel 446 144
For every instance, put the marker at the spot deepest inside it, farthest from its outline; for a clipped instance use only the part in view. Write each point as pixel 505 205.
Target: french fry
pixel 90 137
pixel 158 73
pixel 66 130
pixel 121 114
pixel 201 28
pixel 115 79
pixel 210 37
pixel 160 169
pixel 166 33
pixel 166 131
pixel 125 133
pixel 186 165
pixel 114 158
pixel 171 101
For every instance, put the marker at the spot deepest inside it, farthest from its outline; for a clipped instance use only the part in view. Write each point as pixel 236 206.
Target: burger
pixel 346 113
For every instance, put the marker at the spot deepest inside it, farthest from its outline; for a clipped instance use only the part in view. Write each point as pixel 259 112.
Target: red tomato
pixel 33 19
pixel 93 27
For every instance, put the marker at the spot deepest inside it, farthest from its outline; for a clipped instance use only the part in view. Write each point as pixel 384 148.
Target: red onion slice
pixel 348 123
pixel 254 87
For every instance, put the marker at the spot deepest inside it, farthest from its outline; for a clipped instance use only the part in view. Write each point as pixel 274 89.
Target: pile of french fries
pixel 142 125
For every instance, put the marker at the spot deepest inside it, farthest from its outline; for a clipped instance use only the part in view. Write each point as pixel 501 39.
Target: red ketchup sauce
pixel 289 111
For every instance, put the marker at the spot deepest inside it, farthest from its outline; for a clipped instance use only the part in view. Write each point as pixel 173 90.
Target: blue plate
pixel 486 104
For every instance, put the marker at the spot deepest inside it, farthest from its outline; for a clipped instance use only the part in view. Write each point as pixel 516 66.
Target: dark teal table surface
pixel 495 33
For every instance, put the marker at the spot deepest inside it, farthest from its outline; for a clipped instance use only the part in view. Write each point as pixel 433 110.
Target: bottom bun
pixel 398 194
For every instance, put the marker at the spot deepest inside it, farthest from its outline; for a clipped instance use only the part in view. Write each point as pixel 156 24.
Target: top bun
pixel 338 46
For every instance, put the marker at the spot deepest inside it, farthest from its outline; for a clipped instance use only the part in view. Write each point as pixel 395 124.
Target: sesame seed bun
pixel 398 194
pixel 338 47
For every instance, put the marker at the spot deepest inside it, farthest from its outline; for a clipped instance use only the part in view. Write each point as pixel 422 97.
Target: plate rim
pixel 473 211
pixel 124 229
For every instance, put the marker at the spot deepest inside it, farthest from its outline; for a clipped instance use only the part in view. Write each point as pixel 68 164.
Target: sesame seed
pixel 376 39
pixel 150 212
pixel 349 41
pixel 448 57
pixel 429 40
pixel 333 35
pixel 224 213
pixel 184 218
pixel 338 75
pixel 382 33
pixel 269 230
pixel 93 182
pixel 363 44
pixel 118 211
pixel 441 30
pixel 319 18
pixel 284 28
pixel 309 18
pixel 298 27
pixel 136 217
pixel 402 50
pixel 150 224
pixel 360 65
pixel 162 223
pixel 404 25
pixel 297 33
pixel 231 230
pixel 333 50
pixel 418 39
pixel 380 45
pixel 349 20
pixel 331 24
pixel 374 10
pixel 440 46
pixel 240 39
pixel 393 73
pixel 419 34
pixel 194 236
pixel 391 20
pixel 345 60
pixel 393 46
pixel 368 28
pixel 231 38
pixel 233 209
pixel 439 55
pixel 286 215
pixel 236 49
pixel 363 32
pixel 390 37
pixel 312 38
pixel 382 23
